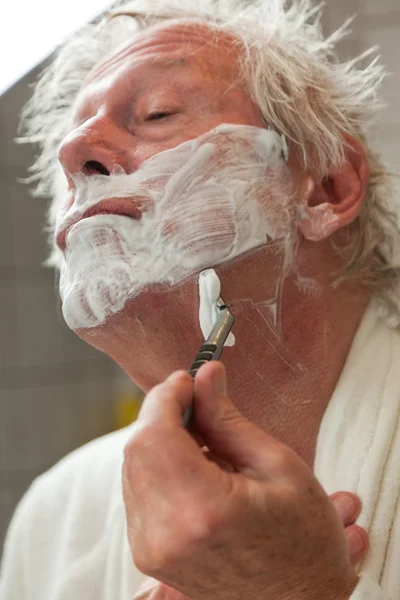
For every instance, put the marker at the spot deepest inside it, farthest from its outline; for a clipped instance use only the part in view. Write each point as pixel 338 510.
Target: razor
pixel 212 347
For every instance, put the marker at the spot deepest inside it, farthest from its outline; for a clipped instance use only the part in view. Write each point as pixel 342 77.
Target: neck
pixel 292 340
pixel 286 379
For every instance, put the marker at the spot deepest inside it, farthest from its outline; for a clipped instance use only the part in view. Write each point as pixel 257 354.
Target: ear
pixel 335 201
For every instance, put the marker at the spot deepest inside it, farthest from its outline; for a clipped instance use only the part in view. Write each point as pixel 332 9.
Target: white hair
pixel 294 75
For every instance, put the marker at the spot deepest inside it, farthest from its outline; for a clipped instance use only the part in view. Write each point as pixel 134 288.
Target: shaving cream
pixel 209 292
pixel 201 203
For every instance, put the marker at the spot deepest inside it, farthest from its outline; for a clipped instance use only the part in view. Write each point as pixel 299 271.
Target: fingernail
pixel 356 541
pixel 219 382
pixel 345 506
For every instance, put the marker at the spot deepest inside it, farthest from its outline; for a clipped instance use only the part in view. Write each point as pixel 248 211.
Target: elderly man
pixel 215 136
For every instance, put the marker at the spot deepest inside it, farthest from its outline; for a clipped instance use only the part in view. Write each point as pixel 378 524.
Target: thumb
pixel 224 429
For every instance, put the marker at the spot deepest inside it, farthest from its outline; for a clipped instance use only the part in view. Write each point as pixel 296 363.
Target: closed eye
pixel 158 116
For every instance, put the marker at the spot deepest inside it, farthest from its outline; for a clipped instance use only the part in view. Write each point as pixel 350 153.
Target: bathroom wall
pixel 377 24
pixel 56 392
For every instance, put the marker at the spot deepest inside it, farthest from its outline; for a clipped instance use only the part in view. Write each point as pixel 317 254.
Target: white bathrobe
pixel 67 539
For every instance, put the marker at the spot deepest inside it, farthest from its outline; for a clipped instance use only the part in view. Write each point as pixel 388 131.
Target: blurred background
pixel 56 392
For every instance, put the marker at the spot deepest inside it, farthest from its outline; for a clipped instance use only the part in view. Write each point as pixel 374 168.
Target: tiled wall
pixel 55 391
pixel 378 24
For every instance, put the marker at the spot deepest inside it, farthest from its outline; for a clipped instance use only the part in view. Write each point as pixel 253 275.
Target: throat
pixel 297 428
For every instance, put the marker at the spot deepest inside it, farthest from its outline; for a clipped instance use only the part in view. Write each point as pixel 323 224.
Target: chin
pixel 153 334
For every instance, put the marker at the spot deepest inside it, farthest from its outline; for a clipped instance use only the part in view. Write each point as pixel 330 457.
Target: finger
pixel 228 433
pixel 160 454
pixel 357 543
pixel 166 402
pixel 348 506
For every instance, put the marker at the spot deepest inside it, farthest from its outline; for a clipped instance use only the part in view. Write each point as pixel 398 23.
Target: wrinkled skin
pixel 267 529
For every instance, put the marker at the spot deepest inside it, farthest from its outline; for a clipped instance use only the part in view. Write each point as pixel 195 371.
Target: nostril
pixel 92 167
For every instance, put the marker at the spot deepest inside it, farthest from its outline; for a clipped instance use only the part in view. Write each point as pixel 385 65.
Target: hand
pixel 267 529
pixel 152 589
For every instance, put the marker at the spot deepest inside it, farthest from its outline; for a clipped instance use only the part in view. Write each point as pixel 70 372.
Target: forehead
pixel 177 43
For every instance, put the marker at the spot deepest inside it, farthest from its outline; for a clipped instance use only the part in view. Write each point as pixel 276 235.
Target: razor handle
pixel 207 352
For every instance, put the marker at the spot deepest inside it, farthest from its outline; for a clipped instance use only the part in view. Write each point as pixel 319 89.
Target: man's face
pixel 134 119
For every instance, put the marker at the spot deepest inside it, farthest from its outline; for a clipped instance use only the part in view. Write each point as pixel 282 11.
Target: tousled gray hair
pixel 294 75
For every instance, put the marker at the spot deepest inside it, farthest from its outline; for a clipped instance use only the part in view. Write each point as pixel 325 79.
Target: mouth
pixel 125 207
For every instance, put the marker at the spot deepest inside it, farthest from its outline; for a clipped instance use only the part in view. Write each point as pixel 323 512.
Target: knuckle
pixel 282 460
pixel 159 551
pixel 347 506
pixel 163 550
pixel 157 556
pixel 140 439
pixel 203 525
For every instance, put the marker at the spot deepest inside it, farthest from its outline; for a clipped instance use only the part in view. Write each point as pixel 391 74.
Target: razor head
pixel 221 329
pixel 213 346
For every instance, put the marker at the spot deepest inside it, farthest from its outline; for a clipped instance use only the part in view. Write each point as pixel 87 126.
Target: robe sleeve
pixel 13 584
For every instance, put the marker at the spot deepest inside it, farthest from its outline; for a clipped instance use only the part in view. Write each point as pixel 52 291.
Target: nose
pixel 96 147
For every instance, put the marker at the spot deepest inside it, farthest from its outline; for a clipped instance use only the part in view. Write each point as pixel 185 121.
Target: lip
pixel 125 207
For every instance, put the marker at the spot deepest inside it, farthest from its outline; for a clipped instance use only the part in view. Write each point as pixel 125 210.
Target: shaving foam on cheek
pixel 202 203
pixel 209 292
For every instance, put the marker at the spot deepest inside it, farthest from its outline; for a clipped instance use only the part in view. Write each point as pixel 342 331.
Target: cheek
pixel 200 223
